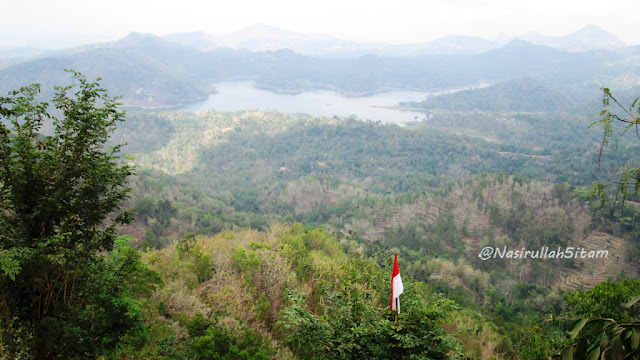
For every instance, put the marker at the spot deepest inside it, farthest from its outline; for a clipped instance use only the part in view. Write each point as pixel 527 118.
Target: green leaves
pixel 594 353
pixel 351 319
pixel 634 339
pixel 11 260
pixel 603 338
pixel 577 326
pixel 609 324
pixel 57 196
pixel 632 302
pixel 629 177
pixel 568 355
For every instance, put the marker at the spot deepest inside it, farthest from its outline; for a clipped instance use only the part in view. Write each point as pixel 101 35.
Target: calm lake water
pixel 241 95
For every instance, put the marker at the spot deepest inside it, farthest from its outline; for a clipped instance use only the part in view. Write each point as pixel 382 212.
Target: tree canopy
pixel 60 297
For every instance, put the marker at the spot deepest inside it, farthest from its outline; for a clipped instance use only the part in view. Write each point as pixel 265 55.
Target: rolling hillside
pixel 415 188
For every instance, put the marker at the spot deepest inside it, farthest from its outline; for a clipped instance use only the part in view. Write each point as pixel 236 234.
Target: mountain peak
pixel 146 42
pixel 263 27
pixel 593 31
pixel 135 38
pixel 138 36
pixel 592 37
pixel 592 28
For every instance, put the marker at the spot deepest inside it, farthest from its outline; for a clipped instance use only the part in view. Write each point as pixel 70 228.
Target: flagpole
pixel 396 289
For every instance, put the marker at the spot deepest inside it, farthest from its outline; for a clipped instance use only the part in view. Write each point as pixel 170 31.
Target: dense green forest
pixel 258 235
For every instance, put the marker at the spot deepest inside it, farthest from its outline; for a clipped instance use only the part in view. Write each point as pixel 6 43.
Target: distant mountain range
pixel 151 71
pixel 590 37
pixel 262 37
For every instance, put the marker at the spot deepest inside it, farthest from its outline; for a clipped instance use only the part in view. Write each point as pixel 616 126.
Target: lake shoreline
pixel 384 106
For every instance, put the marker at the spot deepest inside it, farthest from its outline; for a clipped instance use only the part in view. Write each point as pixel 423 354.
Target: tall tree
pixel 629 181
pixel 58 195
pixel 608 323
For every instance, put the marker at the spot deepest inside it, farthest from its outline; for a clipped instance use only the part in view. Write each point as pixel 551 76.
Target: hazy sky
pixel 52 23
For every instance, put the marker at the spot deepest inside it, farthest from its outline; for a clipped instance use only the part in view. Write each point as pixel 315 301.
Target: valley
pixel 270 188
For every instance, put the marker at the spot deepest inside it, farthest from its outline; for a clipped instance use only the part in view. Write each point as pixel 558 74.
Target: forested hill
pixel 522 95
pixel 235 149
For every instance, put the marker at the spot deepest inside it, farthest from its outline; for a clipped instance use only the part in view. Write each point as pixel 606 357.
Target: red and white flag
pixel 396 286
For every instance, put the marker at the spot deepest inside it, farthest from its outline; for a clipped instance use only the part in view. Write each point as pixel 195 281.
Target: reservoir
pixel 242 95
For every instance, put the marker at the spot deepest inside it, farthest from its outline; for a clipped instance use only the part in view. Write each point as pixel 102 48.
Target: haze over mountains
pixel 161 72
pixel 590 37
pixel 263 37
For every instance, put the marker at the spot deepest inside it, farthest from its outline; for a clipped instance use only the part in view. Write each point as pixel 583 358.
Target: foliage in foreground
pixel 628 183
pixel 608 322
pixel 60 296
pixel 290 292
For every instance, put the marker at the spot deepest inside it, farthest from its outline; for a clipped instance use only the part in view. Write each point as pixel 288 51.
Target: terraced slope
pixel 589 272
pixel 499 210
